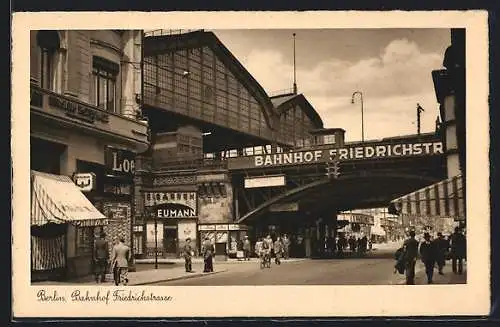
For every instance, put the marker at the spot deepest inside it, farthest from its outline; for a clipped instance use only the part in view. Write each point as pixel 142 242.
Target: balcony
pixel 71 113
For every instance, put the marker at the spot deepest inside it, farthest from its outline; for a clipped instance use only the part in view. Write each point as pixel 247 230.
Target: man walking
pixel 286 247
pixel 442 248
pixel 120 257
pixel 247 247
pixel 458 250
pixel 410 248
pixel 428 255
pixel 278 250
pixel 101 257
pixel 188 253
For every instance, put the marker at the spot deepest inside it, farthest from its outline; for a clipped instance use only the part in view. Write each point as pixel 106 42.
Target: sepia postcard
pixel 237 164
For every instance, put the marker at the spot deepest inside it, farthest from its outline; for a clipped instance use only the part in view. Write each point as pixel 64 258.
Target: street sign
pixel 265 181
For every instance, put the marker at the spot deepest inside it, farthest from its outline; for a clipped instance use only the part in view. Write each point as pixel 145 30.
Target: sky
pixel 391 67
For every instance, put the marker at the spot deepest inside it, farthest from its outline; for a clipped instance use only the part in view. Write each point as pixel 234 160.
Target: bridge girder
pixel 347 192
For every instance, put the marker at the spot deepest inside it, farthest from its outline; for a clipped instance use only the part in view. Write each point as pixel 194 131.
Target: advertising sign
pixel 284 207
pixel 86 182
pixel 119 162
pixel 172 204
pixel 347 153
pixel 264 181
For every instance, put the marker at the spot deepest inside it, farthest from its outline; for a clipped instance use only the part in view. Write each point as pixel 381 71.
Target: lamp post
pixel 362 114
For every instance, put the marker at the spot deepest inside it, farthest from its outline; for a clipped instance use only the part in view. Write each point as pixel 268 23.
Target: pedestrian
pixel 286 247
pixel 208 251
pixel 258 247
pixel 410 248
pixel 428 254
pixel 270 244
pixel 278 250
pixel 101 258
pixel 120 257
pixel 247 247
pixel 188 253
pixel 458 250
pixel 442 248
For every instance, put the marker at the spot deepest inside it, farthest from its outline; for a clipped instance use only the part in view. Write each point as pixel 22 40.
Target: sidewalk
pixel 448 278
pixel 200 260
pixel 139 277
pixel 151 276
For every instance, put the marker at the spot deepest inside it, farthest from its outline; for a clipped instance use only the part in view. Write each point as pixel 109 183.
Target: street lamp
pixel 362 117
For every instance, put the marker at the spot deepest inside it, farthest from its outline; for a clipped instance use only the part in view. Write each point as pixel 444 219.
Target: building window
pixel 84 240
pixel 104 78
pixel 49 43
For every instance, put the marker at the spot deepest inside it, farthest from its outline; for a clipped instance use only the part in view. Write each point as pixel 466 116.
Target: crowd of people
pixel 433 253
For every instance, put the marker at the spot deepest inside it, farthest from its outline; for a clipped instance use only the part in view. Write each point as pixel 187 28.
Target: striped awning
pixel 56 199
pixel 443 199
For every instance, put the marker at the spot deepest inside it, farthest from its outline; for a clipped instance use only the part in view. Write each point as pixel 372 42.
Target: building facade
pixel 85 111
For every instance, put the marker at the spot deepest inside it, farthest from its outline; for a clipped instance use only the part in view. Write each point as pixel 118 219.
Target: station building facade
pixel 85 129
pixel 204 107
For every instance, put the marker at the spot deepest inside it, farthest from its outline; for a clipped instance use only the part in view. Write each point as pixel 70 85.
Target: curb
pixel 195 275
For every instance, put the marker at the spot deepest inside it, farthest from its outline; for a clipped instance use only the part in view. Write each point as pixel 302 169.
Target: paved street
pixel 375 268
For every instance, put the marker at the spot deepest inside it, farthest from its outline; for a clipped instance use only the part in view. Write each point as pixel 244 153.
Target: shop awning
pixel 443 199
pixel 56 199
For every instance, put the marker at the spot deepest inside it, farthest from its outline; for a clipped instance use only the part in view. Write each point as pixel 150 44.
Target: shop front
pixel 436 208
pixel 171 219
pixel 227 238
pixel 55 220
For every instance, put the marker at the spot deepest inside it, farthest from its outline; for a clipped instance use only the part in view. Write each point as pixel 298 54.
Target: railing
pixel 168 32
pixel 188 164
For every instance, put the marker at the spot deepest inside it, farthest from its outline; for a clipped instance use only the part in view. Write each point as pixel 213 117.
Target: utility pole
pixel 294 68
pixel 419 111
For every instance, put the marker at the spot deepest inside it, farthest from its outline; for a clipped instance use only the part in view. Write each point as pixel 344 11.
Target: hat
pixel 427 235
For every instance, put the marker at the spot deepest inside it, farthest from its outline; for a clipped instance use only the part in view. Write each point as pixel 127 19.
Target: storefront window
pixel 138 246
pixel 84 240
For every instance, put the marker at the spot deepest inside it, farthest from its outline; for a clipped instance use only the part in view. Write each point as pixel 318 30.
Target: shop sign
pixel 138 228
pixel 221 227
pixel 174 210
pixel 86 182
pixel 156 198
pixel 119 162
pixel 206 227
pixel 284 207
pixel 235 227
pixel 350 152
pixel 265 181
pixel 78 110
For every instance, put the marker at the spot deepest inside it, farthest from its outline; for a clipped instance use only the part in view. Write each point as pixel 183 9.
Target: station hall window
pixel 104 75
pixel 49 43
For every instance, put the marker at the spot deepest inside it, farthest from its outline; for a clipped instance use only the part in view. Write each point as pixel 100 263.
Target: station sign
pixel 358 151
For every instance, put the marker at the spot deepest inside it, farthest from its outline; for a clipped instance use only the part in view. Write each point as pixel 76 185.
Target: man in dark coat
pixel 458 250
pixel 188 253
pixel 428 254
pixel 101 257
pixel 247 248
pixel 410 247
pixel 442 248
pixel 208 252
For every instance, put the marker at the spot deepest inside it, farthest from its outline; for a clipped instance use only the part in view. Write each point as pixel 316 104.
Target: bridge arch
pixel 400 184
